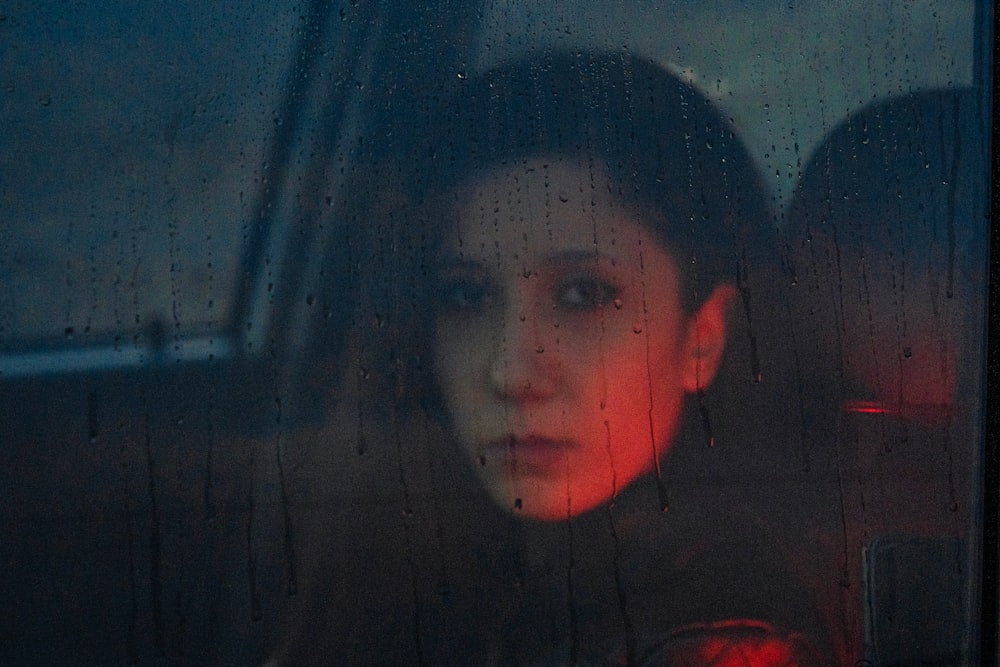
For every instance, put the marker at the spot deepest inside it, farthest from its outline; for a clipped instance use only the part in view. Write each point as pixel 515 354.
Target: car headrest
pixel 885 250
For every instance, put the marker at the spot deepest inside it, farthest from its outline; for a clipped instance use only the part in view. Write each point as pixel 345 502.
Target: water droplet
pixel 637 328
pixel 953 506
pixel 618 304
pixel 45 100
pixel 482 460
pixel 563 197
pixel 69 332
pixel 540 349
pixel 310 299
pixel 517 503
pixel 907 352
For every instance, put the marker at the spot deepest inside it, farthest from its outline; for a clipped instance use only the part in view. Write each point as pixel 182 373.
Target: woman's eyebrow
pixel 578 256
pixel 561 257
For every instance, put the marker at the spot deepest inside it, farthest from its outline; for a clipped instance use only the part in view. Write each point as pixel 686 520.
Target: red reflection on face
pixel 561 347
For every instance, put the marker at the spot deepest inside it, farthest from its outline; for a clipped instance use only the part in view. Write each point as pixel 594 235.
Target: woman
pixel 580 230
pixel 592 215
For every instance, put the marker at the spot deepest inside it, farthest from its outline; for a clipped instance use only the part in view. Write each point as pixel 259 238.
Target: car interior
pixel 199 202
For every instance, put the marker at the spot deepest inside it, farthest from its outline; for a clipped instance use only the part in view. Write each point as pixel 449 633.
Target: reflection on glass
pixel 416 333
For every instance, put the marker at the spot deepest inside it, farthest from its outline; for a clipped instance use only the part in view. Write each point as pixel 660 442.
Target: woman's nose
pixel 523 369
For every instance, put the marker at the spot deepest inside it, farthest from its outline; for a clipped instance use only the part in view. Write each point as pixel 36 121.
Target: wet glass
pixel 253 280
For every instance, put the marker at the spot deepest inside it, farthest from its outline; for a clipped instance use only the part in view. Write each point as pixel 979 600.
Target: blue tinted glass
pixel 494 333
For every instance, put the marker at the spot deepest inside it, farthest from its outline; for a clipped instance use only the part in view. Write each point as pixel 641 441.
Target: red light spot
pixel 866 408
pixel 929 415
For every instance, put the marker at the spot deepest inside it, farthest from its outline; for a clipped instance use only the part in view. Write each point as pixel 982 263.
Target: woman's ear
pixel 705 339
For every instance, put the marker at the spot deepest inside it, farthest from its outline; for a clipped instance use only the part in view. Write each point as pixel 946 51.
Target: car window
pixel 496 333
pixel 131 172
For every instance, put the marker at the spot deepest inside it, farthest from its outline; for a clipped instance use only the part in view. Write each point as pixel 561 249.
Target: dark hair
pixel 672 157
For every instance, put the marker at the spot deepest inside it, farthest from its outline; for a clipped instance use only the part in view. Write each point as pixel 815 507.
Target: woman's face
pixel 560 345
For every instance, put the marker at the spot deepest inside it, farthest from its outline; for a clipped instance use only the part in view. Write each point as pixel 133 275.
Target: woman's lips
pixel 531 453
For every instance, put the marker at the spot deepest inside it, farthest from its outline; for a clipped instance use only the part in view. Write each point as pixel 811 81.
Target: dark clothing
pixel 636 585
pixel 695 586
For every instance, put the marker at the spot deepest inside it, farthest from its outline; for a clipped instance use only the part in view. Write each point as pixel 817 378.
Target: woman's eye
pixel 464 295
pixel 586 294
